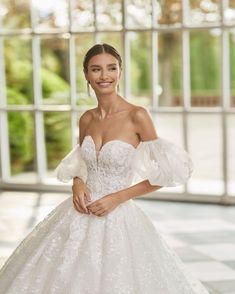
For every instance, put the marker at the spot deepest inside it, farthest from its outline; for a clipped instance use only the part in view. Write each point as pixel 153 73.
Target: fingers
pixel 99 212
pixel 88 199
pixel 88 195
pixel 83 205
pixel 97 209
pixel 104 213
pixel 78 205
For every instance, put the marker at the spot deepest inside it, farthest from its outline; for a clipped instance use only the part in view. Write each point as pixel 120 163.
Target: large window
pixel 178 60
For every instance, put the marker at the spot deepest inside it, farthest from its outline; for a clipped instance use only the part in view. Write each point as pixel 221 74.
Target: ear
pixel 85 74
pixel 120 73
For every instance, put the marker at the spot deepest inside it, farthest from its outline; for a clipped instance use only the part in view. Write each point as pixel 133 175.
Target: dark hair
pixel 99 49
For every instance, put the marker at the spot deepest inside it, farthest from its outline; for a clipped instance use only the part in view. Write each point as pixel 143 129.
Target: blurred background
pixel 178 59
pixel 178 62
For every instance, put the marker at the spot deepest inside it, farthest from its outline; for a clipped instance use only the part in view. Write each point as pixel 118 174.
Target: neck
pixel 108 104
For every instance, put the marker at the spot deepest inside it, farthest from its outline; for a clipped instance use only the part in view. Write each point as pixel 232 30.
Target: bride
pixel 99 241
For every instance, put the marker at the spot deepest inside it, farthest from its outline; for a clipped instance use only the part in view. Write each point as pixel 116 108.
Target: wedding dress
pixel 120 253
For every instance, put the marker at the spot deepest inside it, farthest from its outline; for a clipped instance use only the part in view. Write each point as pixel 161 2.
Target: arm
pixel 146 131
pixel 81 194
pixel 135 191
pixel 83 122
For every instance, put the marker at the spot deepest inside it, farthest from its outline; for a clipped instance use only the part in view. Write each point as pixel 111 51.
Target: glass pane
pixel 232 68
pixel 113 39
pixel 51 14
pixel 18 61
pixel 204 12
pixel 141 65
pixel 82 44
pixel 167 12
pixel 231 155
pixel 169 68
pixel 15 14
pixel 229 12
pixel 139 13
pixel 55 71
pixel 82 12
pixel 58 138
pixel 109 15
pixel 205 146
pixel 22 146
pixel 169 126
pixel 205 68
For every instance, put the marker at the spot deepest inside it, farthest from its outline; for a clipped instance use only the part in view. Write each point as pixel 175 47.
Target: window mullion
pixel 4 137
pixel 39 122
pixel 73 90
pixel 155 66
pixel 186 88
pixel 225 103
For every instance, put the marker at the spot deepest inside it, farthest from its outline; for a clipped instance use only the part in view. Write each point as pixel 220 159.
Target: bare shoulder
pixel 140 113
pixel 86 116
pixel 84 121
pixel 144 124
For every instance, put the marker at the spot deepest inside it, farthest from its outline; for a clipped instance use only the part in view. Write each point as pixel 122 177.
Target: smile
pixel 104 84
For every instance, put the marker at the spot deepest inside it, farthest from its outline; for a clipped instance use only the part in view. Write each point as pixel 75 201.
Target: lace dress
pixel 121 253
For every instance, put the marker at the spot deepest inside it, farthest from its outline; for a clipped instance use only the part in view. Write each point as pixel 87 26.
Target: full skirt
pixel 73 253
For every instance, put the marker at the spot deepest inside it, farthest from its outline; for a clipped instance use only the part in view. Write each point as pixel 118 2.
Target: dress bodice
pixel 118 164
pixel 110 168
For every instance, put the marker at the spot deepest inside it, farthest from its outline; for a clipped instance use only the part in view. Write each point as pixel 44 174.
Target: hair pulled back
pixel 99 49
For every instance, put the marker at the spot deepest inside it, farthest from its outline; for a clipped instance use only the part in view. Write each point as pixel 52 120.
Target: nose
pixel 103 74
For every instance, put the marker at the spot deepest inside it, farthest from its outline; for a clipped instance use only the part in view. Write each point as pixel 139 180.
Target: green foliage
pixel 205 80
pixel 52 82
pixel 21 134
pixel 232 61
pixel 205 71
pixel 21 81
pixel 57 126
pixel 141 64
pixel 50 60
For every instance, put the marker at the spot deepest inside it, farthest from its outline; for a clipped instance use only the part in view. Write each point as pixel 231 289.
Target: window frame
pixel 38 108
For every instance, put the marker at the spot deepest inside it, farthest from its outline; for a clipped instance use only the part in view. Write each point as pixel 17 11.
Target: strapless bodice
pixel 110 168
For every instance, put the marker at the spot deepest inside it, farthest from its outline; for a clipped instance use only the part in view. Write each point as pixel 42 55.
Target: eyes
pixel 110 69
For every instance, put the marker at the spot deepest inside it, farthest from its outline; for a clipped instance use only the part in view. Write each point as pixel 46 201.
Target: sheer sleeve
pixel 162 163
pixel 72 165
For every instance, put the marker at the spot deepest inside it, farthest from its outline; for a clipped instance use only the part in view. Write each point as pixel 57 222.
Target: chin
pixel 106 91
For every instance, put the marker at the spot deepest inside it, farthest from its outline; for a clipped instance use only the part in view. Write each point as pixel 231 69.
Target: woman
pixel 99 241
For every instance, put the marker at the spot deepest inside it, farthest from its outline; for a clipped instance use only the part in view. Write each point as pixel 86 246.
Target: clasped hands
pixel 82 200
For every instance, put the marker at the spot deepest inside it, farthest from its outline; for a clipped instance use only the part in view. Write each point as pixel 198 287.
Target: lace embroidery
pixel 121 253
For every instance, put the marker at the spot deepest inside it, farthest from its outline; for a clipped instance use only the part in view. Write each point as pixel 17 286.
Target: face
pixel 103 73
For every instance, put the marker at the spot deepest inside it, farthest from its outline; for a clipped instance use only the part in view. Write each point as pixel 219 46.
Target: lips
pixel 104 84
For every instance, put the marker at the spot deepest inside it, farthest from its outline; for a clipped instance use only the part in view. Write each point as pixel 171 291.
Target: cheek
pixel 116 75
pixel 93 76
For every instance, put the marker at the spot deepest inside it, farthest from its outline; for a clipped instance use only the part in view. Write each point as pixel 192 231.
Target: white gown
pixel 121 253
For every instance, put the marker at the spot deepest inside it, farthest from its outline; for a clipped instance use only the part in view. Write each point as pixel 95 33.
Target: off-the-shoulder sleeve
pixel 72 165
pixel 162 162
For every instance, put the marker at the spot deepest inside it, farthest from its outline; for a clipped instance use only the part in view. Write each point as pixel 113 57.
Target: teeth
pixel 105 84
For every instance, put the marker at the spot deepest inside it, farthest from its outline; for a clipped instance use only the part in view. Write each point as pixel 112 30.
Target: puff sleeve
pixel 72 165
pixel 162 163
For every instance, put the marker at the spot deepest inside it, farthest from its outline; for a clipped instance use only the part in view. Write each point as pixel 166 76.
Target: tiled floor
pixel 202 235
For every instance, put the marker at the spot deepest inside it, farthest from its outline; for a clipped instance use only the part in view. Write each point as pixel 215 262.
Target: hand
pixel 104 205
pixel 81 196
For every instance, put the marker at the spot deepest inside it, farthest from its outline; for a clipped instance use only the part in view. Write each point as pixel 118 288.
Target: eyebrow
pixel 96 65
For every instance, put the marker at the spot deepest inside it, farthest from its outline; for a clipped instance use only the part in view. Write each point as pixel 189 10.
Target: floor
pixel 202 235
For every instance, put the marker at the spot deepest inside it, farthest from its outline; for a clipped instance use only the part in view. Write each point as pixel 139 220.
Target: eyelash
pixel 112 68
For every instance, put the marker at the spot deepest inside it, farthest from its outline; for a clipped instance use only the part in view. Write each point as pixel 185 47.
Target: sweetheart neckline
pixel 108 142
